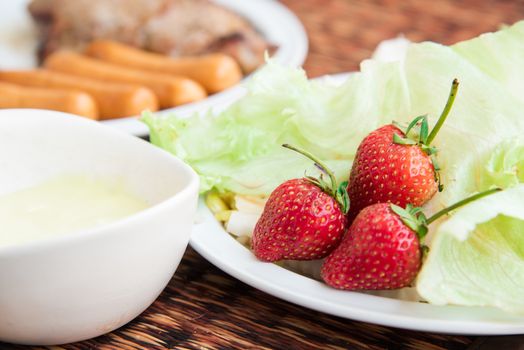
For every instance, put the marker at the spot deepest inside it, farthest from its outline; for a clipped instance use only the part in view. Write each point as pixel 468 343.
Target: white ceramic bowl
pixel 79 286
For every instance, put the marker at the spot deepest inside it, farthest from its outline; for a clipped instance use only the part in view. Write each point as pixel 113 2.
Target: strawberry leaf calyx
pixel 420 126
pixel 342 196
pixel 399 140
pixel 422 121
pixel 338 192
pixel 412 217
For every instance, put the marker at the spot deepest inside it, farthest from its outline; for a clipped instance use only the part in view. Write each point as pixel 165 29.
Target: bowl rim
pixel 190 188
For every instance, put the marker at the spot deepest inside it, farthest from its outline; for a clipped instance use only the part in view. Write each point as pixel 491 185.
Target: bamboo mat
pixel 202 307
pixel 342 33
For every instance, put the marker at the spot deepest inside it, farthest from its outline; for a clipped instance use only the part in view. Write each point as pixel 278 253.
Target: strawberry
pixel 303 219
pixel 378 252
pixel 390 167
pixel 382 248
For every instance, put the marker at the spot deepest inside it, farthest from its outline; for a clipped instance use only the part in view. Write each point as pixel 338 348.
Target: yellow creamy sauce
pixel 63 205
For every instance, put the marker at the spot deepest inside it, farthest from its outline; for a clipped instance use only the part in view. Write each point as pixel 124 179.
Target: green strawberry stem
pixel 318 163
pixel 336 191
pixel 460 204
pixel 445 112
pixel 414 218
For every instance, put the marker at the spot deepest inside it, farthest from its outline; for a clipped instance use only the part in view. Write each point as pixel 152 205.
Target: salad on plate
pixel 475 253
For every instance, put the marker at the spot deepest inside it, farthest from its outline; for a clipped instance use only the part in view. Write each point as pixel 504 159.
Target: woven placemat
pixel 342 33
pixel 202 307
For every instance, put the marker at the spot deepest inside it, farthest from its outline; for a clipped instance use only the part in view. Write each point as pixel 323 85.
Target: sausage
pixel 170 90
pixel 114 100
pixel 215 72
pixel 74 102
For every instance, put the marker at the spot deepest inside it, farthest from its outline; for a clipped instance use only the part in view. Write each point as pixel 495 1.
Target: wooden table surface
pixel 204 308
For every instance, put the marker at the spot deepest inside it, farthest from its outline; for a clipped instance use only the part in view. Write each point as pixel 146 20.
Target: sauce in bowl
pixel 63 205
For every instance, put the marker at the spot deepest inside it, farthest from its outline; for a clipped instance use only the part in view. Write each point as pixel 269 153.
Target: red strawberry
pixel 389 167
pixel 382 248
pixel 303 219
pixel 378 252
pixel 384 171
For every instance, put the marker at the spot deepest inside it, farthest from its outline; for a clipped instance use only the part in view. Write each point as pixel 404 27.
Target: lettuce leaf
pixel 477 255
pixel 240 150
pixel 497 55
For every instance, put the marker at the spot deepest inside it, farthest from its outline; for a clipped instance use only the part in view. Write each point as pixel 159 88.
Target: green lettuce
pixel 497 55
pixel 476 254
pixel 240 150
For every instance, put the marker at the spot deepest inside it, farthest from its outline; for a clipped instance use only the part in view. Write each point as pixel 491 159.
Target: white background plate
pixel 272 19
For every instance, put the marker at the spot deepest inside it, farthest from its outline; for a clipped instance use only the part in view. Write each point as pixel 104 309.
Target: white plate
pixel 276 23
pixel 216 245
pixel 213 243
